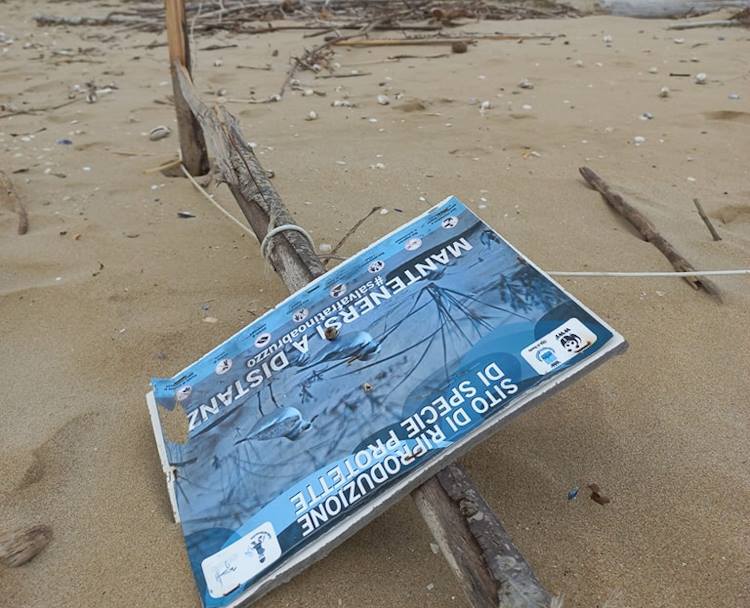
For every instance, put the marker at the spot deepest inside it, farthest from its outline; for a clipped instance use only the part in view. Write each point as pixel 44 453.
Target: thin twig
pixel 352 230
pixel 35 110
pixel 706 221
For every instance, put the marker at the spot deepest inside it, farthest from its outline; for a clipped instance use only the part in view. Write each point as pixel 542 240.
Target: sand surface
pixel 110 287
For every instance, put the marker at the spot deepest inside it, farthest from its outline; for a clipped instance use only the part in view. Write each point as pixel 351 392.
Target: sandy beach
pixel 110 287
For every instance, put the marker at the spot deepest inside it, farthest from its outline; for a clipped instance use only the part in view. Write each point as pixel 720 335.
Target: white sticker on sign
pixel 227 569
pixel 558 346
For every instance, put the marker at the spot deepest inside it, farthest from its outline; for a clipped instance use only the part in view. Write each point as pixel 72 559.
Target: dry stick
pixel 35 110
pixel 353 229
pixel 8 192
pixel 356 75
pixel 488 567
pixel 192 143
pixel 433 41
pixel 706 221
pixel 717 23
pixel 648 232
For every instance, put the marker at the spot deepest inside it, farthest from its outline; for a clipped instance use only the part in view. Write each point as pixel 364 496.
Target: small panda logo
pixel 376 266
pixel 183 393
pixel 572 343
pixel 300 315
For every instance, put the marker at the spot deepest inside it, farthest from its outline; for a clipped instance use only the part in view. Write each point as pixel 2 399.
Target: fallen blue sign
pixel 311 420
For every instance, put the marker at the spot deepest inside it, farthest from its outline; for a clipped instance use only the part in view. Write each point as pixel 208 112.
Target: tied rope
pixel 266 246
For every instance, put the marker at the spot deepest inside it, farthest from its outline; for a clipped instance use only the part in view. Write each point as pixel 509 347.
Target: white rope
pixel 265 244
pixel 202 190
pixel 692 273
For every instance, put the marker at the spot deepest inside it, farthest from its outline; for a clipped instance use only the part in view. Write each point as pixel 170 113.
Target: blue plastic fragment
pixel 64 142
pixel 573 494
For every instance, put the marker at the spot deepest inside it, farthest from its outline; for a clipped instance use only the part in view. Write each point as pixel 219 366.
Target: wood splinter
pixel 20 546
pixel 648 232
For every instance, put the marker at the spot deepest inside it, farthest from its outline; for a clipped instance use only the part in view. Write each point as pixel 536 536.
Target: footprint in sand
pixel 729 214
pixel 730 115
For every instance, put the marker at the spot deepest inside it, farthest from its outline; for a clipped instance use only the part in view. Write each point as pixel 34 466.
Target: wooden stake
pixel 489 568
pixel 192 144
pixel 648 232
pixel 706 221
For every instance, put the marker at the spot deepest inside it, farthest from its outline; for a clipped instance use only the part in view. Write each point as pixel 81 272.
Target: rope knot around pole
pixel 266 245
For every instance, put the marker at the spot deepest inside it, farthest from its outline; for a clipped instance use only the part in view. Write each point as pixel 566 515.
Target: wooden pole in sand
pixel 489 568
pixel 192 144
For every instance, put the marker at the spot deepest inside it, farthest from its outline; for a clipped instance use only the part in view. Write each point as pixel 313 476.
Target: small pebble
pixel 678 40
pixel 525 84
pixel 638 140
pixel 653 70
pixel 312 115
pixel 664 92
pixel 579 63
pixel 647 116
pixel 700 78
pixel 210 319
pixel 218 63
pixel 325 248
pixel 459 46
pixel 159 132
pixel 383 100
pixel 734 96
pixel 607 39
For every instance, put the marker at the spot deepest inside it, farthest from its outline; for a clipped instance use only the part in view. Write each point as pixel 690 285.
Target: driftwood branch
pixel 699 24
pixel 437 41
pixel 648 232
pixel 517 586
pixel 490 570
pixel 8 194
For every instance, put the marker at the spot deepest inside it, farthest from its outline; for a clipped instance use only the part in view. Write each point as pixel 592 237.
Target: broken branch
pixel 648 232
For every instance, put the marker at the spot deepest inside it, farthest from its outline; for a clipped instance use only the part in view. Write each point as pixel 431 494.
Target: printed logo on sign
pixel 300 315
pixel 558 346
pixel 236 564
pixel 262 340
pixel 376 266
pixel 223 366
